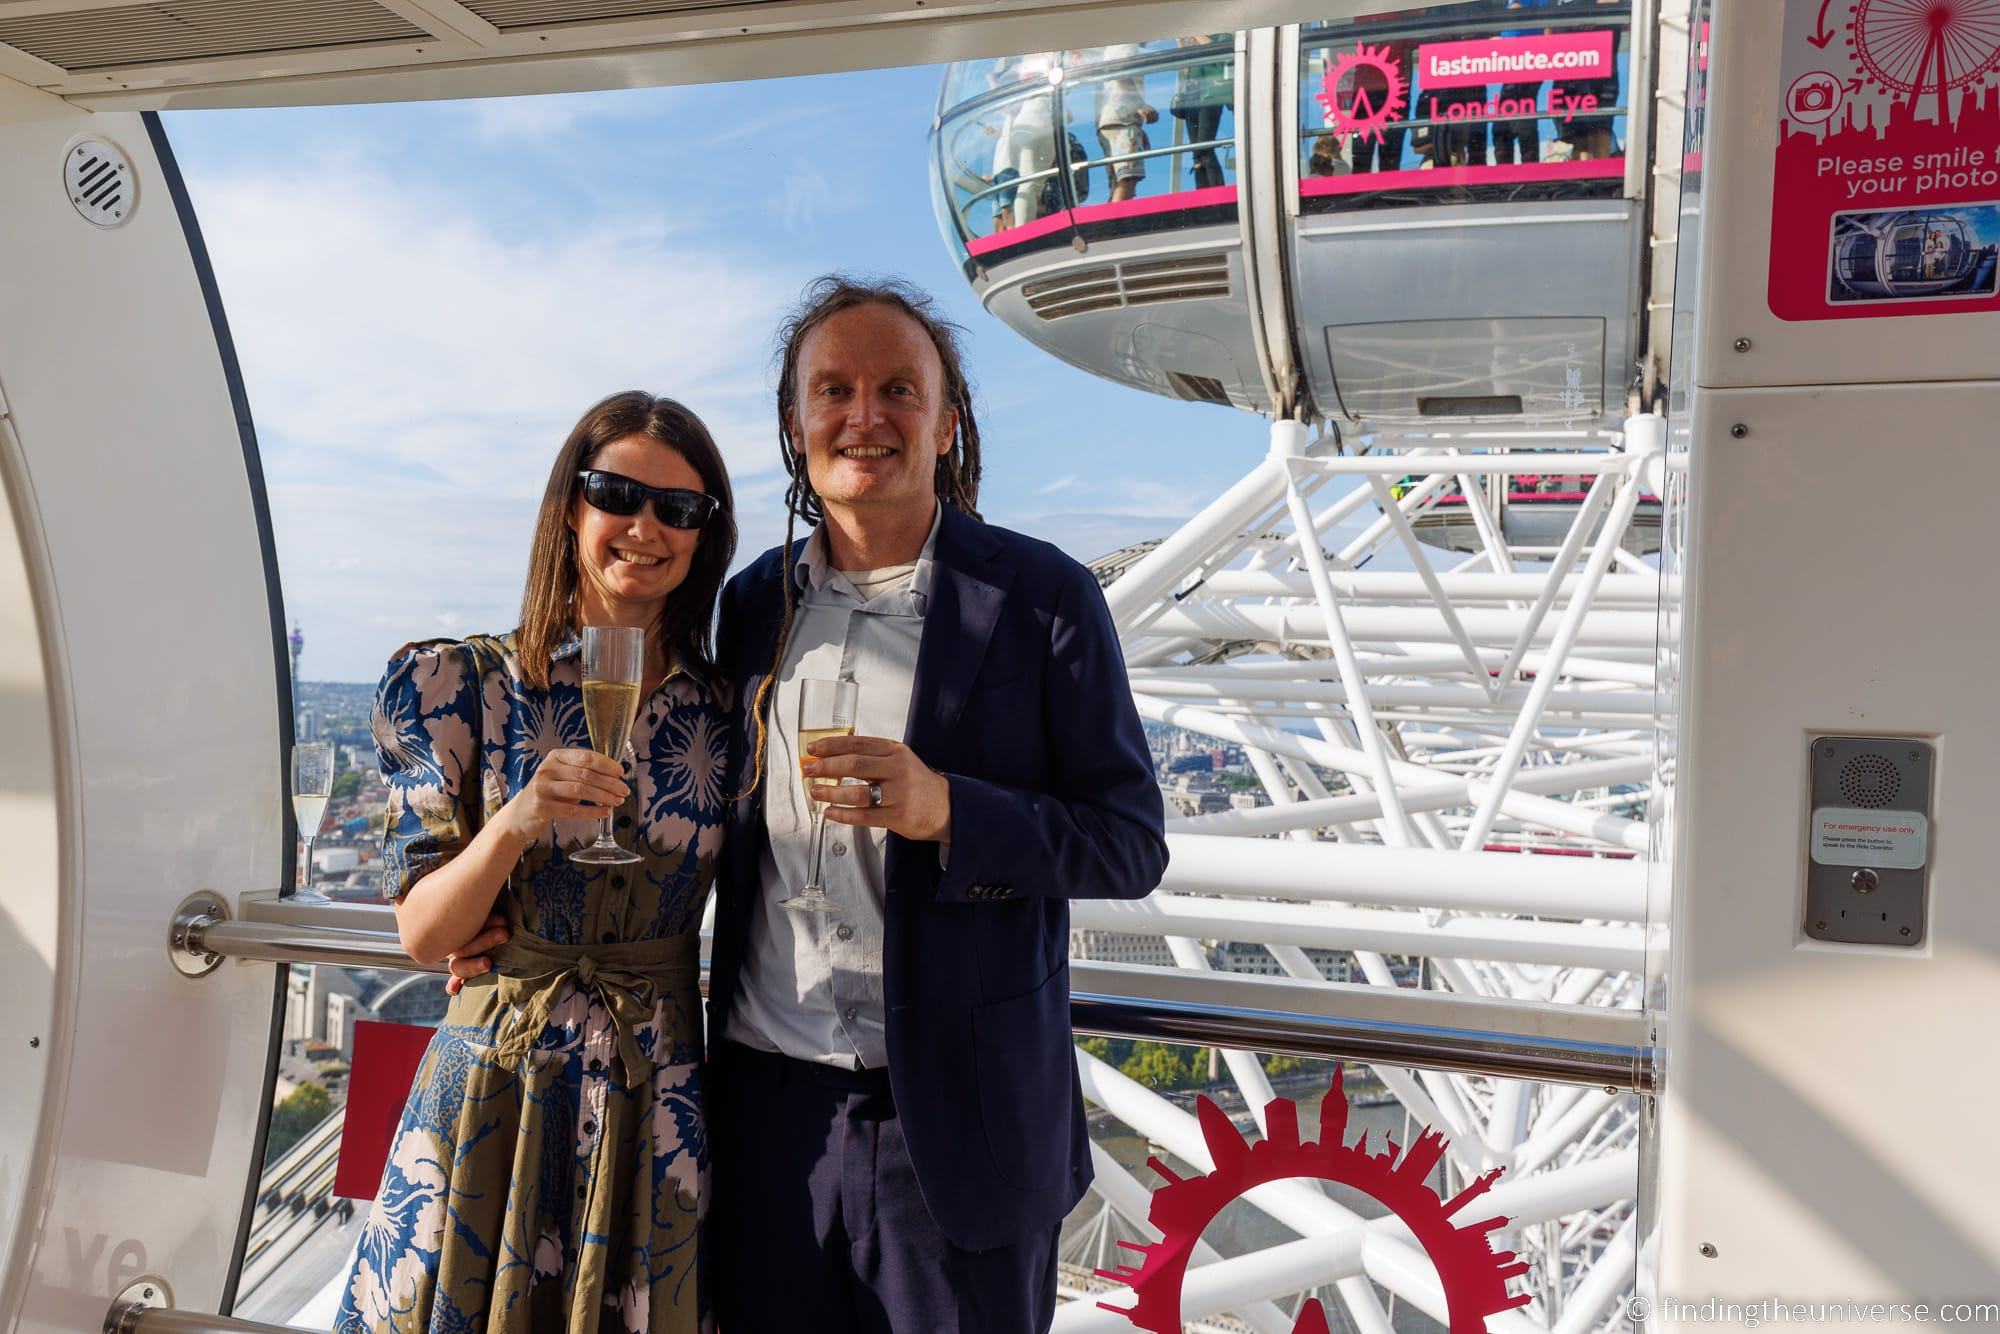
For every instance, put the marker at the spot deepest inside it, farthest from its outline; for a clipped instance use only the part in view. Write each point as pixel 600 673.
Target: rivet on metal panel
pixel 1819 926
pixel 1905 930
pixel 34 1042
pixel 1741 345
pixel 1739 430
pixel 1708 1251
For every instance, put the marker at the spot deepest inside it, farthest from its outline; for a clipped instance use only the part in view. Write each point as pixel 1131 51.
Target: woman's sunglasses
pixel 617 494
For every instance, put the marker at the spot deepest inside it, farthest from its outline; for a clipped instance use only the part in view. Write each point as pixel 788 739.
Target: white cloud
pixel 537 120
pixel 414 363
pixel 1059 484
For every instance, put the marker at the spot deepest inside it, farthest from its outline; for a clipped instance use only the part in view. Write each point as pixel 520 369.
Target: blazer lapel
pixel 967 590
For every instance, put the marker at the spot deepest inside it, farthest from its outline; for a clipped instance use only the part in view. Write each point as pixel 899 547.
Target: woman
pixel 549 1170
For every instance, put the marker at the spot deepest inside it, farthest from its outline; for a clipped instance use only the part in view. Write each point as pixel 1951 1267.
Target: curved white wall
pixel 147 763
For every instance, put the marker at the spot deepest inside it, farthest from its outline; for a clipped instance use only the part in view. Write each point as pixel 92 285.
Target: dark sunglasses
pixel 617 494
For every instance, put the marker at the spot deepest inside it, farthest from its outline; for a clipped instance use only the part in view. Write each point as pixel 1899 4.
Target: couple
pixel 882 1130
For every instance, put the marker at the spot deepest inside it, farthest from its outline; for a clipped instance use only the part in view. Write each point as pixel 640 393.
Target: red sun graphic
pixel 1362 93
pixel 1473 1275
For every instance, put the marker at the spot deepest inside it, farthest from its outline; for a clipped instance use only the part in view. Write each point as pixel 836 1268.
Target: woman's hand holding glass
pixel 915 798
pixel 573 784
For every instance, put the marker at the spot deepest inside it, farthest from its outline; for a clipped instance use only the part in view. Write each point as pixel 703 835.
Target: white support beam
pixel 1328 926
pixel 1366 873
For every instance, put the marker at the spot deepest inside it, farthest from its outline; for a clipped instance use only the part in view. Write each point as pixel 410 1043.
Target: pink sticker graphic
pixel 1475 63
pixel 1474 1276
pixel 1363 93
pixel 1886 187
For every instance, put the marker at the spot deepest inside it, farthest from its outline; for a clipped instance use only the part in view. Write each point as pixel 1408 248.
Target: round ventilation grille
pixel 1870 780
pixel 100 182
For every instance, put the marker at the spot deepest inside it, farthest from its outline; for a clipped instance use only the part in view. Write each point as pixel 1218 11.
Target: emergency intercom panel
pixel 1868 844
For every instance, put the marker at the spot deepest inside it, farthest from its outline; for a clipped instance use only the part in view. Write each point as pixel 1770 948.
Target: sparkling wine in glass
pixel 826 708
pixel 614 660
pixel 312 787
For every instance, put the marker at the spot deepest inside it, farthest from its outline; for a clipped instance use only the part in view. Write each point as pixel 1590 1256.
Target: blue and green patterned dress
pixel 538 1180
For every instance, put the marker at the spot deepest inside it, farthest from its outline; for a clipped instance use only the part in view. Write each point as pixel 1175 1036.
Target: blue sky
pixel 425 296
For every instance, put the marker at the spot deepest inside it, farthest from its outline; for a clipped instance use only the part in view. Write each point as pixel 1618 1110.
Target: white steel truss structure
pixel 1457 758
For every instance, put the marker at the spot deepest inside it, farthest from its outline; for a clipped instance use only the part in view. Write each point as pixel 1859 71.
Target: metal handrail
pixel 202 933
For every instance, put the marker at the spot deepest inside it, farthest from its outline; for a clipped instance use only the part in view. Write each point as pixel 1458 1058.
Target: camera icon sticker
pixel 1813 98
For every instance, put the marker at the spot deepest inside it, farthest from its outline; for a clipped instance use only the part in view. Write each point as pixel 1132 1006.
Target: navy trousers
pixel 815 1221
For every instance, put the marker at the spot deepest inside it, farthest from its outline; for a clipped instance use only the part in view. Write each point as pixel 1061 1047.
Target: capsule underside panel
pixel 1410 316
pixel 1169 310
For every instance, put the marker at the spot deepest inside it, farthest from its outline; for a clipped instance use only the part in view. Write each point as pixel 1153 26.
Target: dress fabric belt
pixel 628 976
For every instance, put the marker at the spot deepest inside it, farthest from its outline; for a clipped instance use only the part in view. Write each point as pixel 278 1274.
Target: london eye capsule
pixel 1402 222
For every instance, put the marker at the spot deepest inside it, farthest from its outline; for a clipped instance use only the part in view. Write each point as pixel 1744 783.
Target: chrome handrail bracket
pixel 185 933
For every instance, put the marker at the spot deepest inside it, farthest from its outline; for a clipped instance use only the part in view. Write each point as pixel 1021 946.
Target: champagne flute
pixel 312 786
pixel 614 662
pixel 826 708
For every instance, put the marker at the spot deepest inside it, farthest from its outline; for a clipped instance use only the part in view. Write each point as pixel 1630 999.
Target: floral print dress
pixel 548 1186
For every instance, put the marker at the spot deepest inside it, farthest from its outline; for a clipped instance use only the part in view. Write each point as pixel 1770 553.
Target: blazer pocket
pixel 1024 1060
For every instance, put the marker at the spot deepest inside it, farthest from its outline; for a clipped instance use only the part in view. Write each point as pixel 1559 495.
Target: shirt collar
pixel 814 568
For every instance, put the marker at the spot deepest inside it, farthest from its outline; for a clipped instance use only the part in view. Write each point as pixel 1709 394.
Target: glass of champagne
pixel 826 708
pixel 312 786
pixel 614 662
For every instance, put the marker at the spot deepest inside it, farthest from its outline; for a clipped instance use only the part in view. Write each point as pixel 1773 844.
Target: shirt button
pixel 849 1013
pixel 590 1127
pixel 844 931
pixel 624 822
pixel 840 849
pixel 618 882
pixel 579 1192
pixel 595 1065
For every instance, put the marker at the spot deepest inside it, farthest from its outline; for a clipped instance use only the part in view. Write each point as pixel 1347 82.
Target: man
pixel 894 1116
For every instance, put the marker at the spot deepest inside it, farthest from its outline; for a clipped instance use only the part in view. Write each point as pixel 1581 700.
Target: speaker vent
pixel 101 183
pixel 1870 781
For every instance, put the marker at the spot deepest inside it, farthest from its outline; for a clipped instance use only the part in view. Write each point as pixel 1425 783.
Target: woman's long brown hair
pixel 548 606
pixel 957 476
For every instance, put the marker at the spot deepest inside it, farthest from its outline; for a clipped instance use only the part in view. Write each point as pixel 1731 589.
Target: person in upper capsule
pixel 550 1168
pixel 1122 117
pixel 898 1127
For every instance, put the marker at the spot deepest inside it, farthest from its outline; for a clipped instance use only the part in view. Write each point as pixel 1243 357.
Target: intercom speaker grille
pixel 1870 781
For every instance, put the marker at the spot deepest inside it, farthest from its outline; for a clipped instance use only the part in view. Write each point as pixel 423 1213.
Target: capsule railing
pixel 1568 1044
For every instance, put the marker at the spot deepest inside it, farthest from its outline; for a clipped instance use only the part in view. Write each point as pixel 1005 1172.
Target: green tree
pixel 1114 1052
pixel 346 785
pixel 1161 1065
pixel 291 1120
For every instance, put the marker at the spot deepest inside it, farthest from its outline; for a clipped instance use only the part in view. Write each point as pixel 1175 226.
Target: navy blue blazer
pixel 1021 701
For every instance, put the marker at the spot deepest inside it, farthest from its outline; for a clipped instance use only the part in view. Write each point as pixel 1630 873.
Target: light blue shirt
pixel 812 982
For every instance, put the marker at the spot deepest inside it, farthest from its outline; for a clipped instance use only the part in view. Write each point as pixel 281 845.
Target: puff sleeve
pixel 426 727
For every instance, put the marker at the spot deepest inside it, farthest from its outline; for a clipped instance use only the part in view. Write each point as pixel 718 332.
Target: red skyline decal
pixel 1473 1275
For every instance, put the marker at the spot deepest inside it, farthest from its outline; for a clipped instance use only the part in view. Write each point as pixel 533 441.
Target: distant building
pixel 1119 947
pixel 308 728
pixel 1186 799
pixel 1238 957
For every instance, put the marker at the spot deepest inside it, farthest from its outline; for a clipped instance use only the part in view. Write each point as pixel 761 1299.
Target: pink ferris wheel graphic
pixel 1914 47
